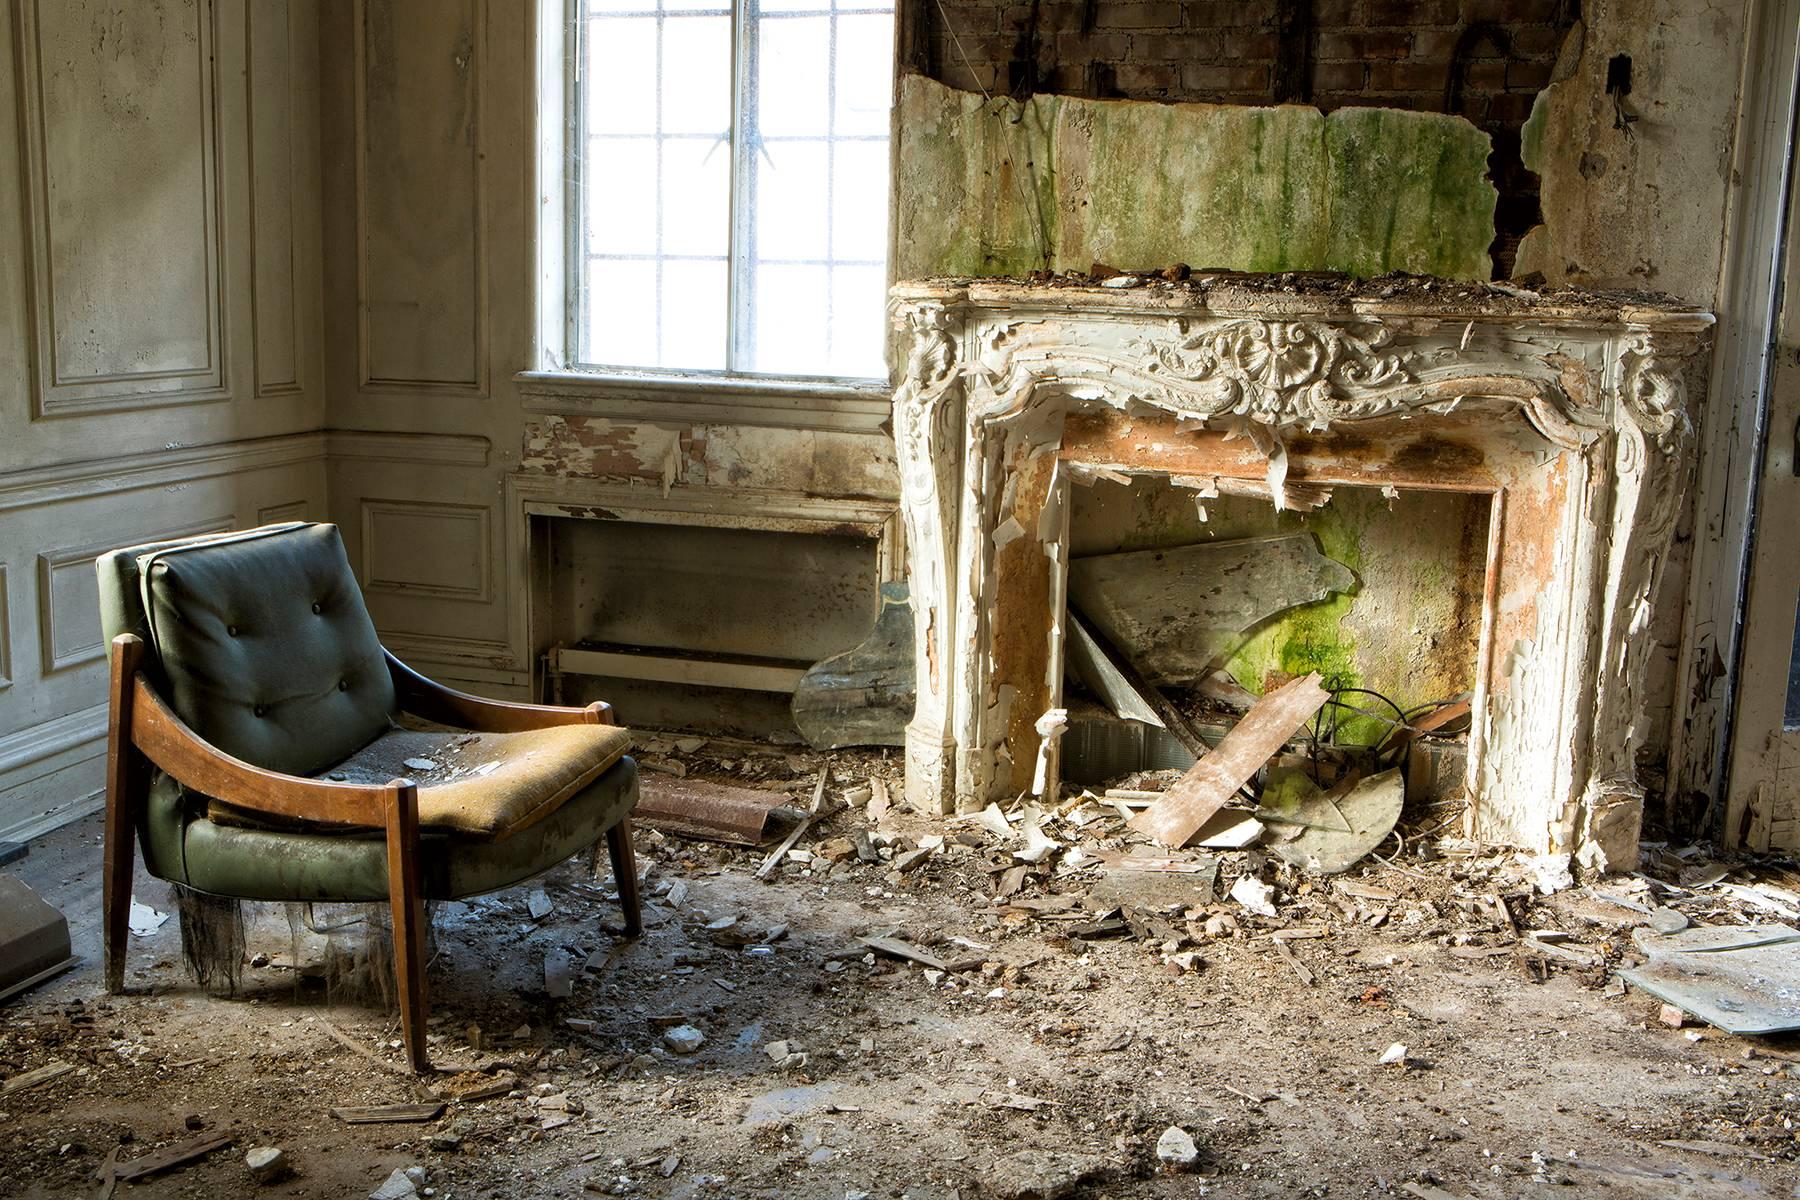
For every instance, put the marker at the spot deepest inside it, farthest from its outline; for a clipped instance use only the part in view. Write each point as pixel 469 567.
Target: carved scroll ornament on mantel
pixel 1584 511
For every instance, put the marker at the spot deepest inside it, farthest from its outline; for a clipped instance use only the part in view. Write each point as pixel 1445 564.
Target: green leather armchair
pixel 256 752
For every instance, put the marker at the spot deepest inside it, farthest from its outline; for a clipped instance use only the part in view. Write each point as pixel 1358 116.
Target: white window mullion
pixel 740 271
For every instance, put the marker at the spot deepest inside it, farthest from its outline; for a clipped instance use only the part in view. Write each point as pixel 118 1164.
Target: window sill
pixel 779 403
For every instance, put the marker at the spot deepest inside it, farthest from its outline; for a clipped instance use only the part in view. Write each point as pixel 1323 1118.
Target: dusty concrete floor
pixel 1524 1076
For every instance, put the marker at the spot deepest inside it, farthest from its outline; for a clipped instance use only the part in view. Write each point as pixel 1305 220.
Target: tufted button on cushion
pixel 270 581
pixel 317 608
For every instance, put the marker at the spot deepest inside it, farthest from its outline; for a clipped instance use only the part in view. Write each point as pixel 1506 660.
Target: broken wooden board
pixel 170 1157
pixel 387 1114
pixel 1742 979
pixel 864 696
pixel 1198 795
pixel 711 811
pixel 1337 829
pixel 32 1078
pixel 1176 613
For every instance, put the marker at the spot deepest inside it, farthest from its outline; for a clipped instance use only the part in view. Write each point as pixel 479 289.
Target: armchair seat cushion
pixel 266 864
pixel 481 785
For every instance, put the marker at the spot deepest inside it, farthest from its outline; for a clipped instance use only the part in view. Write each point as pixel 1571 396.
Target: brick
pixel 1435 45
pixel 1388 45
pixel 1538 41
pixel 1144 79
pixel 1411 13
pixel 1512 12
pixel 1487 75
pixel 1511 108
pixel 1224 79
pixel 1340 77
pixel 1408 77
pixel 1226 14
pixel 969 18
pixel 1051 17
pixel 1175 47
pixel 1245 43
pixel 1336 14
pixel 1527 76
pixel 1156 14
pixel 1100 47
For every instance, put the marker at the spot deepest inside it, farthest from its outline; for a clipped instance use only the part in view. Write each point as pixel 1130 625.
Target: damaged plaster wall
pixel 999 187
pixel 1638 199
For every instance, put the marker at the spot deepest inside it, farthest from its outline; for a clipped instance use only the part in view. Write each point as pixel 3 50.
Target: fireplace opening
pixel 632 612
pixel 1187 596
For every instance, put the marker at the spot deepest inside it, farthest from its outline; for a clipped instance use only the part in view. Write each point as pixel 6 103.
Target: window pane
pixel 621 313
pixel 859 216
pixel 619 73
pixel 621 196
pixel 696 87
pixel 795 76
pixel 865 74
pixel 696 196
pixel 792 311
pixel 858 320
pixel 792 189
pixel 693 333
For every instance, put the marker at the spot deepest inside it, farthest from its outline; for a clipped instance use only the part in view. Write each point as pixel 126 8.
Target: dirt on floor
pixel 1390 1031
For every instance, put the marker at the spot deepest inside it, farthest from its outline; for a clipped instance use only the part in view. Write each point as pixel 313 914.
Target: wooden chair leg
pixel 625 877
pixel 407 901
pixel 122 772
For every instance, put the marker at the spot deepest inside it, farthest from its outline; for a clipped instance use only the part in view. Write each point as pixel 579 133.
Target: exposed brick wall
pixel 1482 59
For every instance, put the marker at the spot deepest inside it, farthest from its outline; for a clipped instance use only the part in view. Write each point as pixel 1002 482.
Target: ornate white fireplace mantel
pixel 1567 410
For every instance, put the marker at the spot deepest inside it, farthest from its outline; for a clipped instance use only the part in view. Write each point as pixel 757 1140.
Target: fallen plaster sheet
pixel 1741 979
pixel 1174 613
pixel 1209 783
pixel 1094 666
pixel 1339 830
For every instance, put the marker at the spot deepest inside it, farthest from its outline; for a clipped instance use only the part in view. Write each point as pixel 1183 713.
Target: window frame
pixel 563 257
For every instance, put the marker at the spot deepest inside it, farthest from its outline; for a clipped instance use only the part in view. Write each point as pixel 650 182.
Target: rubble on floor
pixel 1033 1000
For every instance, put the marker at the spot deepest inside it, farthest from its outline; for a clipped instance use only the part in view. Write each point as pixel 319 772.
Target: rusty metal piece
pixel 712 811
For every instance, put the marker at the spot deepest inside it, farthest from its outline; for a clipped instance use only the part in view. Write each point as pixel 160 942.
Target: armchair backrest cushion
pixel 264 645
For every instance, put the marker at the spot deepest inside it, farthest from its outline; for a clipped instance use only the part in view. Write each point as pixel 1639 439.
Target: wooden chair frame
pixel 142 731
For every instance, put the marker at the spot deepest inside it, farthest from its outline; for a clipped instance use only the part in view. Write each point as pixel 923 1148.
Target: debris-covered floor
pixel 1397 1029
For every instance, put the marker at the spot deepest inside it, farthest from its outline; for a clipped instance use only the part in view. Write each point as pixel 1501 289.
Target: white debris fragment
pixel 1254 895
pixel 395 1187
pixel 1038 845
pixel 684 1039
pixel 1052 725
pixel 144 919
pixel 421 764
pixel 1394 1055
pixel 1550 873
pixel 266 1163
pixel 990 819
pixel 1175 1149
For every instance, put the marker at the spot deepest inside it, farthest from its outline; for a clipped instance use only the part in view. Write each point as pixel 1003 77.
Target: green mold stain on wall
pixel 1001 187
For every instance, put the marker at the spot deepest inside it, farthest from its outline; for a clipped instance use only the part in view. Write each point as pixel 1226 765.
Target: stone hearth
pixel 1567 410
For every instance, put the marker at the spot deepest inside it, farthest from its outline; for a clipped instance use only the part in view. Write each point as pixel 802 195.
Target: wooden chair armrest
pixel 166 740
pixel 433 701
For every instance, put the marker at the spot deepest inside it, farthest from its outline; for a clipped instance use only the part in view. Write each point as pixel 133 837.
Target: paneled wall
pixel 439 448
pixel 160 364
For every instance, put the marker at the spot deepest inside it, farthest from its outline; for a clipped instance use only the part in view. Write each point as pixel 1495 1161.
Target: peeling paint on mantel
pixel 1571 409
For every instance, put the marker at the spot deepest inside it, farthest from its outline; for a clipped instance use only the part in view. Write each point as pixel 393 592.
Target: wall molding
pixel 437 449
pixel 367 379
pixel 35 743
pixel 155 468
pixel 59 744
pixel 374 508
pixel 51 606
pixel 53 394
pixel 296 382
pixel 779 404
pixel 6 671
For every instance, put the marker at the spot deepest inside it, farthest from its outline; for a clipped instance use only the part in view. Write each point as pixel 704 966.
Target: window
pixel 730 183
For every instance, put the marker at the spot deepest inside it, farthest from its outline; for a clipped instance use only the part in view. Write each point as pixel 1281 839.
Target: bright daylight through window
pixel 732 177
